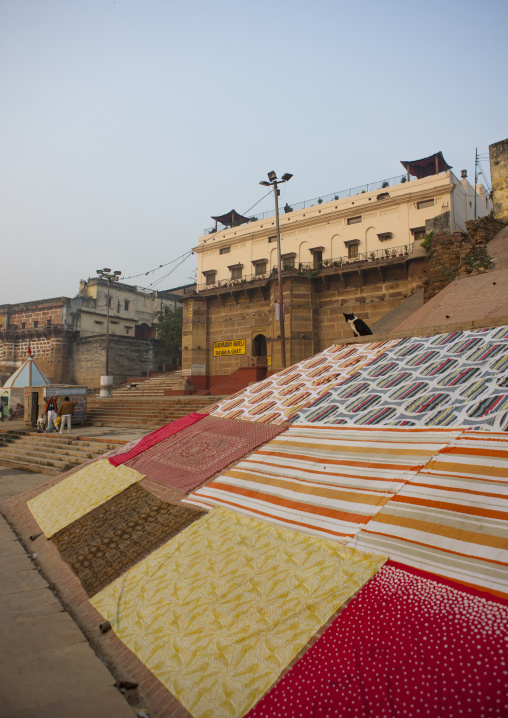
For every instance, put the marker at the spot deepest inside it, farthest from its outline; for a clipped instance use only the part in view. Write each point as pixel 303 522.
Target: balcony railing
pixel 341 194
pixel 308 268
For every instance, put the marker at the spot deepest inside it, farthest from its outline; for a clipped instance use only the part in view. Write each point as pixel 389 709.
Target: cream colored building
pixel 131 311
pixel 384 222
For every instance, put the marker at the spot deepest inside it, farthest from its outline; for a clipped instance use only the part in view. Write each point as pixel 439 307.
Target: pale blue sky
pixel 126 124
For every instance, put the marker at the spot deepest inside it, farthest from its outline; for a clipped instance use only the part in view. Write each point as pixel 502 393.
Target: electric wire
pixel 161 279
pixel 142 274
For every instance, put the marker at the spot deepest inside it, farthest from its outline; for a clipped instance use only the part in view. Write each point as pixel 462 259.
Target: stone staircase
pixel 158 385
pixel 50 453
pixel 139 412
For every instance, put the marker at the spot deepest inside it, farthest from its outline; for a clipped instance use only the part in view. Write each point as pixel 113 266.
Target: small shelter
pixel 427 166
pixel 13 391
pixel 230 219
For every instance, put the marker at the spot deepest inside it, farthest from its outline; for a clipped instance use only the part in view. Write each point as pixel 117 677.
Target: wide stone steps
pixel 50 454
pixel 140 412
pixel 153 386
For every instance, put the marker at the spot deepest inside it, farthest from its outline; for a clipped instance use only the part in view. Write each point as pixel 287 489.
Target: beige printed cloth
pixel 221 609
pixel 78 494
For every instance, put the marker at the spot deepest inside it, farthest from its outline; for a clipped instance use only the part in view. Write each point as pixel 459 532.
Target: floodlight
pixel 106 269
pixel 117 272
pixel 286 177
pixel 265 183
pixel 272 176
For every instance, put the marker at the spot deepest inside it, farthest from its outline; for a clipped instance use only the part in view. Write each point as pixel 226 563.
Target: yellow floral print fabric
pixel 221 609
pixel 79 493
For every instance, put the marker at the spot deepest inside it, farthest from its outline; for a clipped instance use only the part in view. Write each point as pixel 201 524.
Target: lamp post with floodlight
pixel 274 182
pixel 106 273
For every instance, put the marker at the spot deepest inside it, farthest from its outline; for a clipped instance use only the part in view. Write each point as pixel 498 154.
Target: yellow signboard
pixel 235 346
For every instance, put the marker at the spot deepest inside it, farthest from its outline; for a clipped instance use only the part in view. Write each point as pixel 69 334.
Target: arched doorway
pixel 143 331
pixel 259 346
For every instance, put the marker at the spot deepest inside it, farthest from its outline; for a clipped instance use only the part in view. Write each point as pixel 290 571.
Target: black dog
pixel 358 326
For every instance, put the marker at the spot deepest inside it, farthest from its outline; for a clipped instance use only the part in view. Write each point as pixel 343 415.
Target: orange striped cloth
pixel 452 517
pixel 327 481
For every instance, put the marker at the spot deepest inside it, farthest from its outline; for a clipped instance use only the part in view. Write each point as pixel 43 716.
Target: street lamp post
pixel 274 182
pixel 106 273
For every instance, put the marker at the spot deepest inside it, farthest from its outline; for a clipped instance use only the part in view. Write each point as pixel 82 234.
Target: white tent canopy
pixel 28 374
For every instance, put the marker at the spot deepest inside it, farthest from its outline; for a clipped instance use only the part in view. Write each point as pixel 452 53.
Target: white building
pixel 372 222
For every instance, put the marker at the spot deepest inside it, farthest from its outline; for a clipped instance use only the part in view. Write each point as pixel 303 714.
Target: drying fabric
pixel 146 442
pixel 279 398
pixel 104 543
pixel 407 645
pixel 451 518
pixel 326 481
pixel 78 494
pixel 189 458
pixel 219 611
pixel 457 379
pixel 123 449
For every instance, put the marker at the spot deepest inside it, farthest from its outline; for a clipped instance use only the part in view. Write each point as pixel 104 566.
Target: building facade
pixel 498 155
pixel 359 254
pixel 372 224
pixel 131 312
pixel 65 334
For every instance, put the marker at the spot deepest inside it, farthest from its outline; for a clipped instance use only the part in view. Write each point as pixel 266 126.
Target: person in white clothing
pixel 51 412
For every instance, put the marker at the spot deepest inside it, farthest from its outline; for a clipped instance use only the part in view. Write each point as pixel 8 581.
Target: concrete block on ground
pixel 104 703
pixel 38 633
pixel 18 606
pixel 13 557
pixel 73 673
pixel 21 581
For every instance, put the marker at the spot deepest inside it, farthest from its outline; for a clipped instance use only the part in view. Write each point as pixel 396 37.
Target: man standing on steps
pixel 65 412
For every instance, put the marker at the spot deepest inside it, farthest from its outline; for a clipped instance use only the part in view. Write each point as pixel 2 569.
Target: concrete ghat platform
pixel 48 668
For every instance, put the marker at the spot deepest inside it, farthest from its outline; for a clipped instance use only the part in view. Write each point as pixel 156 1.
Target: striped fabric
pixel 451 518
pixel 326 481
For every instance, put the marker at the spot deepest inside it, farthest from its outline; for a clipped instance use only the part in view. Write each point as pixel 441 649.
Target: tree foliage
pixel 169 328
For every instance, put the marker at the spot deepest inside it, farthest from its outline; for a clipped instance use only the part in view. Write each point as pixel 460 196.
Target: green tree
pixel 169 328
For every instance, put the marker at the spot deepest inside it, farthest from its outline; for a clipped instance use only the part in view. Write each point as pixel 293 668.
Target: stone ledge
pixel 425 331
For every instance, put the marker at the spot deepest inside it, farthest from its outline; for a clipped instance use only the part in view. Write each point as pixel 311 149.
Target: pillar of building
pixel 194 341
pixel 498 155
pixel 302 331
pixel 299 321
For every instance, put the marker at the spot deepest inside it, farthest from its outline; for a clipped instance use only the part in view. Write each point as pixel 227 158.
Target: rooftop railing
pixel 341 194
pixel 308 268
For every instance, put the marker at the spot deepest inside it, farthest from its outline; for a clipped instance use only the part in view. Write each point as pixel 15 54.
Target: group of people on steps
pixel 64 412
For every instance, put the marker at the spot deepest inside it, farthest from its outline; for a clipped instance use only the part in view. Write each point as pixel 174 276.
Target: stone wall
pixel 314 304
pixel 33 315
pixel 498 155
pixel 128 357
pixel 370 296
pixel 459 254
pixel 440 224
pixel 49 347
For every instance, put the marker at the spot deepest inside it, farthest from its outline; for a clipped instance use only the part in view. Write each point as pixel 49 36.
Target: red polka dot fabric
pixel 408 645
